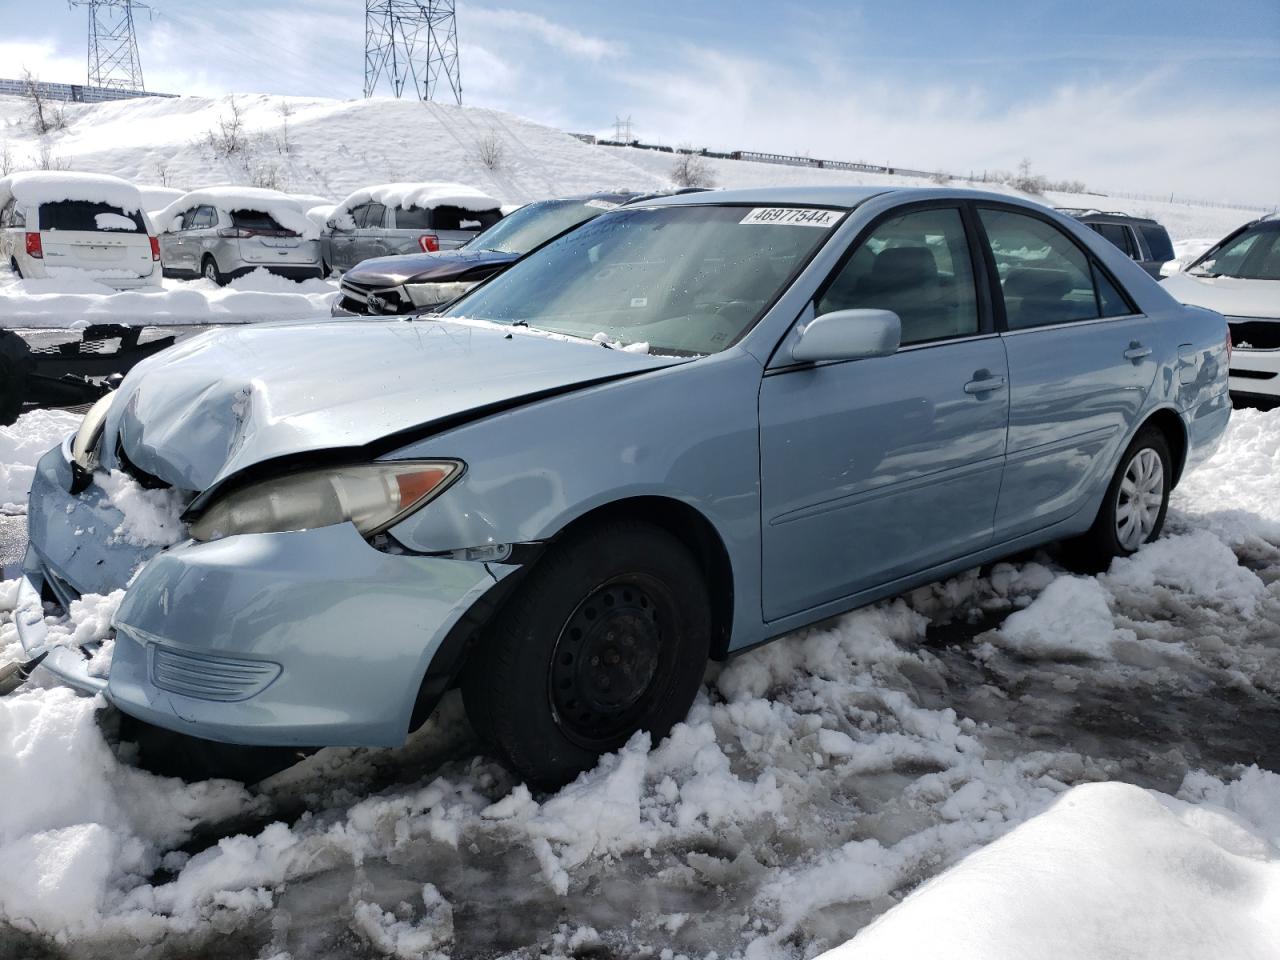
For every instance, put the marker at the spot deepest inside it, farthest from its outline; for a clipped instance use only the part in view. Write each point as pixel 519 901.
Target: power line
pixel 412 43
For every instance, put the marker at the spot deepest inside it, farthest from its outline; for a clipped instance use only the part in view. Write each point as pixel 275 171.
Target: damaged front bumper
pixel 311 638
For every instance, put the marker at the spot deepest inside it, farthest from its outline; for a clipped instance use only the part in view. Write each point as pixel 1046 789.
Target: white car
pixel 1240 277
pixel 59 223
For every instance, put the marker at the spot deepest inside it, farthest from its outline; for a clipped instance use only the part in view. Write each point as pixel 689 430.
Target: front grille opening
pixel 146 480
pixel 1255 334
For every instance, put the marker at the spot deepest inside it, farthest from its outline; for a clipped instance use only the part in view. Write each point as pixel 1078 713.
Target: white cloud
pixel 1146 136
pixel 43 59
pixel 532 26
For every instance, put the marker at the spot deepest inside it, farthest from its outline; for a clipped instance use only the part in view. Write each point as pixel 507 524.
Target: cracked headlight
pixel 431 294
pixel 371 496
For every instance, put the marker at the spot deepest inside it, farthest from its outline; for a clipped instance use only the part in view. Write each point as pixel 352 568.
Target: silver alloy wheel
pixel 1140 498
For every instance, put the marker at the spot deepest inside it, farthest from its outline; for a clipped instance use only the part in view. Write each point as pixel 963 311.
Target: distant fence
pixel 795 161
pixel 74 92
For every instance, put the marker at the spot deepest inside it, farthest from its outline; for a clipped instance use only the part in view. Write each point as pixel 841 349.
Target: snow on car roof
pixel 424 195
pixel 49 186
pixel 286 210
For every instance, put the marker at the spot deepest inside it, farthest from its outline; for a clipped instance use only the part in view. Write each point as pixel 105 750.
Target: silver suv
pixel 381 227
pixel 221 236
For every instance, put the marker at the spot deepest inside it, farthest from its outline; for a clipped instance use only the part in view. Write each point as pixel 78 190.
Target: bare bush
pixel 941 179
pixel 490 151
pixel 45 114
pixel 6 160
pixel 1026 181
pixel 48 160
pixel 266 175
pixel 162 172
pixel 691 170
pixel 284 144
pixel 229 137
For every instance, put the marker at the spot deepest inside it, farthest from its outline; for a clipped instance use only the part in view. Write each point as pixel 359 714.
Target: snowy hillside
pixel 322 147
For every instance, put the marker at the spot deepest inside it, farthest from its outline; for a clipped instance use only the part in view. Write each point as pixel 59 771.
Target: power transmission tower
pixel 412 42
pixel 113 44
pixel 622 129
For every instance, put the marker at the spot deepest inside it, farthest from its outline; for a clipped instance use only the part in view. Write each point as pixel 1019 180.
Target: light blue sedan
pixel 679 431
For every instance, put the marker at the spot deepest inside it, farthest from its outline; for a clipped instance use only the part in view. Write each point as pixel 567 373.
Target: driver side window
pixel 918 266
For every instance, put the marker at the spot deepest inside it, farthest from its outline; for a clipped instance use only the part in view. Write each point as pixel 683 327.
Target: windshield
pixel 685 280
pixel 535 224
pixel 1251 255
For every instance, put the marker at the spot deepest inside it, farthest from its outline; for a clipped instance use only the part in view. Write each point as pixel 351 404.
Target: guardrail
pixel 74 92
pixel 795 161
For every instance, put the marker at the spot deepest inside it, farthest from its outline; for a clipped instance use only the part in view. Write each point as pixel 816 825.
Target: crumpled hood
pixel 440 267
pixel 1231 296
pixel 222 401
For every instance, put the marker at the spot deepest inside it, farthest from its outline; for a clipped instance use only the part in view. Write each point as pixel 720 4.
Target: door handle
pixel 984 385
pixel 1136 351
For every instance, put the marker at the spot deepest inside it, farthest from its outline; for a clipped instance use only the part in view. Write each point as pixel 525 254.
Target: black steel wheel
pixel 608 635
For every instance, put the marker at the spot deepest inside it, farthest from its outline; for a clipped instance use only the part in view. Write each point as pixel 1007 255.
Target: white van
pixel 90 225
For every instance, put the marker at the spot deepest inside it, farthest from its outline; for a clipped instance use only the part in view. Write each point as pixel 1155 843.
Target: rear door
pixel 201 238
pixel 872 470
pixel 1080 367
pixel 97 237
pixel 343 239
pixel 370 241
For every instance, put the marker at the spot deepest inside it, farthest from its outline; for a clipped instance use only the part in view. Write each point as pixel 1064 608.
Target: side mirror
pixel 848 335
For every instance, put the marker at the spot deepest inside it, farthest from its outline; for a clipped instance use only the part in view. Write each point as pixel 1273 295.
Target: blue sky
pixel 1175 96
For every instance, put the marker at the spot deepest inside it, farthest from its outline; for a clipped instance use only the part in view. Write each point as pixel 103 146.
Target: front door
pixel 1080 369
pixel 872 470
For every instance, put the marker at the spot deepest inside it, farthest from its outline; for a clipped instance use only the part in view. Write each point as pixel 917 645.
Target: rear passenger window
pixel 918 266
pixel 413 218
pixel 1119 235
pixel 1044 276
pixel 1158 241
pixel 373 214
pixel 205 218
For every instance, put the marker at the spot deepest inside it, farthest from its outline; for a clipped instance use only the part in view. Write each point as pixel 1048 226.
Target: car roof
pixel 846 197
pixel 1103 216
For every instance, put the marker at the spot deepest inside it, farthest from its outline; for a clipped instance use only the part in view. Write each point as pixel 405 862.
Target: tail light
pixel 235 233
pixel 155 247
pixel 34 249
pixel 429 243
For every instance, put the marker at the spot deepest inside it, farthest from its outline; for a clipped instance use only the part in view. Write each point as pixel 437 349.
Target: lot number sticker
pixel 793 217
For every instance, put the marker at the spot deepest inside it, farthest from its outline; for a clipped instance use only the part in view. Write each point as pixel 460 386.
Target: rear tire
pixel 1134 507
pixel 15 365
pixel 609 635
pixel 209 269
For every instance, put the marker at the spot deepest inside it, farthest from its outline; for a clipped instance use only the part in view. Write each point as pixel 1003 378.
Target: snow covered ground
pixel 78 301
pixel 1071 766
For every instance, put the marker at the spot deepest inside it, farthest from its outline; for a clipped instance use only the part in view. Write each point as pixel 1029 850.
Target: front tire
pixel 1134 508
pixel 15 365
pixel 609 635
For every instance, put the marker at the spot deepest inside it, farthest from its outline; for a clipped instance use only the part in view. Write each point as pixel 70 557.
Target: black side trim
pixel 449 660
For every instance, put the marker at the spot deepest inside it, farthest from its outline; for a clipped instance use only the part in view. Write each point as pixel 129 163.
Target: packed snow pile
pixel 287 211
pixel 34 188
pixel 1109 870
pixel 24 443
pixel 982 771
pixel 78 300
pixel 422 196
